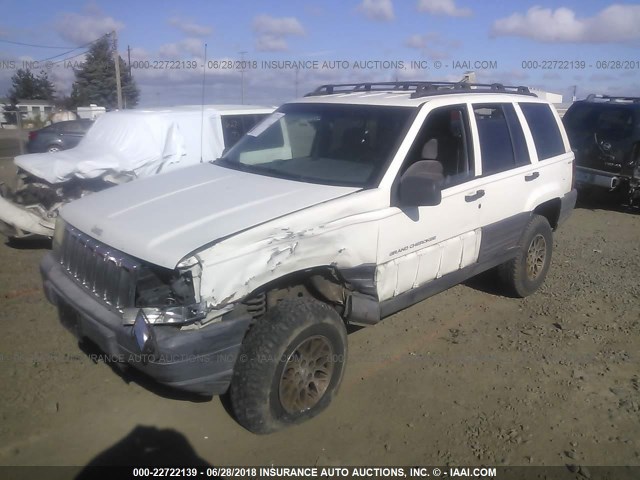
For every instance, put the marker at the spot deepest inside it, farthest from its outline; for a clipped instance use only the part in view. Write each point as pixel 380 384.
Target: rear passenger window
pixel 495 139
pixel 544 128
pixel 517 136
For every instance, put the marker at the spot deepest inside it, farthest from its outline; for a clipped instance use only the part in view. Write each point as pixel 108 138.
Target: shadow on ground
pixel 147 447
pixel 600 199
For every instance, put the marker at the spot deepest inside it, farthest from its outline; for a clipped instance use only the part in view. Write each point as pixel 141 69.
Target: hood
pixel 163 218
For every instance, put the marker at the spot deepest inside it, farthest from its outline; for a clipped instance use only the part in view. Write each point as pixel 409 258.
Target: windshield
pixel 322 143
pixel 613 121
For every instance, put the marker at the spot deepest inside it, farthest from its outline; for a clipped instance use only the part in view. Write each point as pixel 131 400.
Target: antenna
pixel 242 54
pixel 204 77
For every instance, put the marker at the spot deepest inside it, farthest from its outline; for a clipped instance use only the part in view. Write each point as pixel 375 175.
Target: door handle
pixel 533 176
pixel 472 198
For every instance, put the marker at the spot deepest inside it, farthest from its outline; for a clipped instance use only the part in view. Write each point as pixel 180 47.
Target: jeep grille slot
pixel 107 273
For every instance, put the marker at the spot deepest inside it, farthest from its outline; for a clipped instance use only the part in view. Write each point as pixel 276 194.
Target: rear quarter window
pixel 544 129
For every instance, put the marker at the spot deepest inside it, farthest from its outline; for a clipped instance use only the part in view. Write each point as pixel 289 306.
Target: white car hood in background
pixel 163 218
pixel 131 142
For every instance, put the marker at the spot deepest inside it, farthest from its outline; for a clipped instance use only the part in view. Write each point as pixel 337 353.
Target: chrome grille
pixel 107 273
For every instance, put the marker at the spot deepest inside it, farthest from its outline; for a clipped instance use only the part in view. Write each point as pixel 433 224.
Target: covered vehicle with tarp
pixel 120 147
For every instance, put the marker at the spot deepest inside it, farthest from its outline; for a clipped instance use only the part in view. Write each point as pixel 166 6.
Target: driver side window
pixel 445 142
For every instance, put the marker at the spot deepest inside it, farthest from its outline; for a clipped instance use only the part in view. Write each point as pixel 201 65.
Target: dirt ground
pixel 467 377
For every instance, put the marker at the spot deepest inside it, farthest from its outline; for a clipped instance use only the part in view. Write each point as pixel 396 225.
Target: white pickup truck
pixel 119 147
pixel 340 208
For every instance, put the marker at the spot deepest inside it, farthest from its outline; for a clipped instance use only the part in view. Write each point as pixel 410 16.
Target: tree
pixel 96 79
pixel 27 86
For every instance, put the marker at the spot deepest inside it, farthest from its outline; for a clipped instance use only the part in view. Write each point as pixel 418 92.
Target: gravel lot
pixel 467 377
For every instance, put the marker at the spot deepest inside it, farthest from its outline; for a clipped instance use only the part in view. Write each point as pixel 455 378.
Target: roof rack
pixel 419 89
pixel 609 98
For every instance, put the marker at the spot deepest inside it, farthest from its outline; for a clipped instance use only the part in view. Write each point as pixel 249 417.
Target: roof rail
pixel 419 88
pixel 610 98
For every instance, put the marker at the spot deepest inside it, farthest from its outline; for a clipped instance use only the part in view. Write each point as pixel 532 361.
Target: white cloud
pixel 139 53
pixel 443 7
pixel 432 45
pixel 190 27
pixel 271 43
pixel 616 23
pixel 377 9
pixel 271 32
pixel 175 51
pixel 80 29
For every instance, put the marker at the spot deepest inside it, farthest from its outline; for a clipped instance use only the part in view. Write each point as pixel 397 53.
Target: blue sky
pixel 505 34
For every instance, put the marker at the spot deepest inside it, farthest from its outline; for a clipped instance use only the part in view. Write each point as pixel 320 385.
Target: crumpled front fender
pixel 17 221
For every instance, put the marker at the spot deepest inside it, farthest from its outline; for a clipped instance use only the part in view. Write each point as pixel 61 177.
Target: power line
pixel 68 58
pixel 74 49
pixel 31 44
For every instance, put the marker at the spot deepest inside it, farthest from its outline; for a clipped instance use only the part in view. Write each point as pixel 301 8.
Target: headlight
pixel 176 315
pixel 58 235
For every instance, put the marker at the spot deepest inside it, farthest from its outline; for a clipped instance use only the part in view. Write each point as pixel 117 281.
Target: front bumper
pixel 198 360
pixel 17 221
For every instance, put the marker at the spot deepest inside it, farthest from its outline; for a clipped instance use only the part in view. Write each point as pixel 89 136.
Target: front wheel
pixel 290 366
pixel 525 273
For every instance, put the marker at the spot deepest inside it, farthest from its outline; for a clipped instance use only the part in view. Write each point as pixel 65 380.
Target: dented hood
pixel 163 218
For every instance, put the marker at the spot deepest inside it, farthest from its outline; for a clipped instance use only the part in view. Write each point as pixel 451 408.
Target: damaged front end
pixel 128 285
pixel 31 208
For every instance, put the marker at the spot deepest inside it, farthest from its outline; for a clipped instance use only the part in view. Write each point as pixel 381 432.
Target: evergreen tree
pixel 27 86
pixel 96 79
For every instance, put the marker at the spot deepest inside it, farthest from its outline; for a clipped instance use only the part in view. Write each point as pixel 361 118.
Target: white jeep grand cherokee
pixel 340 208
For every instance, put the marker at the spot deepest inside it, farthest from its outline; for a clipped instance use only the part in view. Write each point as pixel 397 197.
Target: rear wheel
pixel 53 148
pixel 290 365
pixel 525 273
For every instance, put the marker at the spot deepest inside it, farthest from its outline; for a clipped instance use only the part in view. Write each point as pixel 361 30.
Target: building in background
pixel 38 110
pixel 91 112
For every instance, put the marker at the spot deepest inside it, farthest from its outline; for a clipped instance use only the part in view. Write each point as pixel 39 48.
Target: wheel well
pixel 322 283
pixel 550 210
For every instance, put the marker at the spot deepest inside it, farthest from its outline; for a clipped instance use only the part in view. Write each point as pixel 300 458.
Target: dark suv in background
pixel 58 136
pixel 604 132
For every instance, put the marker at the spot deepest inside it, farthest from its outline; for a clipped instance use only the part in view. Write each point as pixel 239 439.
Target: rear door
pixel 516 175
pixel 507 176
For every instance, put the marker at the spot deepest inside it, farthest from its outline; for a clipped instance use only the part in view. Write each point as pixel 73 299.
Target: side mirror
pixel 420 185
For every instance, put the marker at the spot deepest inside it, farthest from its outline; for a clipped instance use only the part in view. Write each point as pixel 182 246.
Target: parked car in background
pixel 120 147
pixel 58 136
pixel 604 132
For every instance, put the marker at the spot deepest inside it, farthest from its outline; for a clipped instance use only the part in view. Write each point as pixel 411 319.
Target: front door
pixel 417 245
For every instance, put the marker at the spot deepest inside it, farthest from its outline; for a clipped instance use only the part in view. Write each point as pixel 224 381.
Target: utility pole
pixel 19 122
pixel 297 71
pixel 242 77
pixel 129 60
pixel 116 59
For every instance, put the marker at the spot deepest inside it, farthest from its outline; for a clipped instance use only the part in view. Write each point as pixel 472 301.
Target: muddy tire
pixel 290 366
pixel 525 273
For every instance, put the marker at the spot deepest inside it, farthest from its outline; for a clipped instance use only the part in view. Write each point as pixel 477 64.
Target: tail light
pixel 33 135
